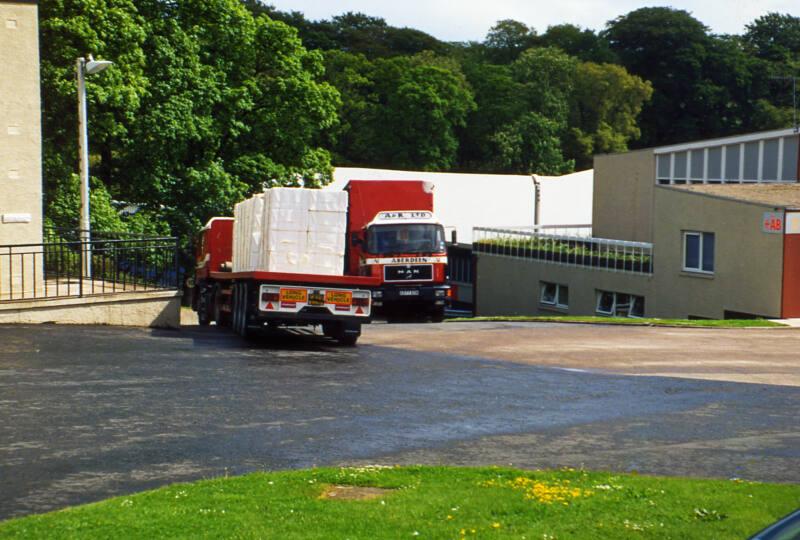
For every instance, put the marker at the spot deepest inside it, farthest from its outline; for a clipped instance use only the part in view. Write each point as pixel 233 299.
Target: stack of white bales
pixel 292 230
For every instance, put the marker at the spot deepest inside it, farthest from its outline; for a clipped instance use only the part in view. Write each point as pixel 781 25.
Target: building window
pixel 553 294
pixel 698 252
pixel 770 157
pixel 616 304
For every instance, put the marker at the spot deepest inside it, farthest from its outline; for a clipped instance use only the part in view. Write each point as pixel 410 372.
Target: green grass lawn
pixel 427 502
pixel 691 323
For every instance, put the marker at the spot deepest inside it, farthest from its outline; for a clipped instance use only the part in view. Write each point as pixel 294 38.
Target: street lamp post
pixel 85 67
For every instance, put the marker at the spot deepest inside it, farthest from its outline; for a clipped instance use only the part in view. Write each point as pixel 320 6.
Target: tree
pixel 774 42
pixel 774 37
pixel 402 112
pixel 699 80
pixel 110 29
pixel 583 44
pixel 507 39
pixel 205 103
pixel 427 101
pixel 499 102
pixel 604 108
pixel 530 144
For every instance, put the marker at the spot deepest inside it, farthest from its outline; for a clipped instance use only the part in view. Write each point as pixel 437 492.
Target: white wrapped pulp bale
pixel 286 241
pixel 293 230
pixel 288 219
pixel 248 230
pixel 289 198
pixel 286 261
pixel 327 201
pixel 330 243
pixel 326 264
pixel 330 222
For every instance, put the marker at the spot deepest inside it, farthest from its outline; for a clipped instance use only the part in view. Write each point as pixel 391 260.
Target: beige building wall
pixel 508 286
pixel 622 205
pixel 747 278
pixel 748 263
pixel 20 125
pixel 20 143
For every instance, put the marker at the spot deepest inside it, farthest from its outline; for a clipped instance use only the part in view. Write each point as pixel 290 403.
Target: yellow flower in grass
pixel 548 492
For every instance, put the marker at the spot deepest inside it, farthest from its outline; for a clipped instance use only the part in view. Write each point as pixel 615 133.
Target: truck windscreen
pixel 411 238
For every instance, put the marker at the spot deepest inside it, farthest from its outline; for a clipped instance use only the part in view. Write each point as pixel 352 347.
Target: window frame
pixel 556 297
pixel 600 294
pixel 702 243
pixel 615 304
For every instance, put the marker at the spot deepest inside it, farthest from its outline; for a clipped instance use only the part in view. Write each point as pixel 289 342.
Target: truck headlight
pixel 440 292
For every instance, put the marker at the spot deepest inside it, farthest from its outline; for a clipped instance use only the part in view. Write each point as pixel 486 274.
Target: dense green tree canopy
pixel 205 103
pixel 507 39
pixel 209 100
pixel 400 112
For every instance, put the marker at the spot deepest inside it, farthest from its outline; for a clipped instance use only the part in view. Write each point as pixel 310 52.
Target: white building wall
pixel 566 200
pixel 463 201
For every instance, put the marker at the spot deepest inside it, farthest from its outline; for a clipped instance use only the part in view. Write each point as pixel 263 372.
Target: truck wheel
pixel 219 317
pixel 347 334
pixel 203 311
pixel 242 330
pixel 437 316
pixel 236 307
pixel 347 340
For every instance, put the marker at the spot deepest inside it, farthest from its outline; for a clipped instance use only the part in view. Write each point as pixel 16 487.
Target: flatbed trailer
pixel 251 301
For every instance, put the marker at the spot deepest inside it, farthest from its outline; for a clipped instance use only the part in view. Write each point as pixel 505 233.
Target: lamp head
pixel 96 66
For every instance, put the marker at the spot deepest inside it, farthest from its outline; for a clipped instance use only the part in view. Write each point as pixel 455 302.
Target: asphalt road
pixel 91 412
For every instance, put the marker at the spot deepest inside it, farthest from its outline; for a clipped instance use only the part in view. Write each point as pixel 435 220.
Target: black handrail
pixel 57 268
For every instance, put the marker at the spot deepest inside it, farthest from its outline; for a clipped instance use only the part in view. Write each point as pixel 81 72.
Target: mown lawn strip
pixel 689 323
pixel 427 502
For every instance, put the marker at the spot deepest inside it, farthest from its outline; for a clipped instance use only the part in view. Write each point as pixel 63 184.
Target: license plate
pixel 409 292
pixel 316 299
pixel 340 298
pixel 293 295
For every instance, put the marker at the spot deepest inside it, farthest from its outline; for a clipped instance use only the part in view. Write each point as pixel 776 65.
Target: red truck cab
pixel 214 246
pixel 394 236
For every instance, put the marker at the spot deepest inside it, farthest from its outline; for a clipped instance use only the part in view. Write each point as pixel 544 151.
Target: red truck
pixel 395 238
pixel 395 261
pixel 250 301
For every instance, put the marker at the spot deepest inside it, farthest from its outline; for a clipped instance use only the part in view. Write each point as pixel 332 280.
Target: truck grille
pixel 408 272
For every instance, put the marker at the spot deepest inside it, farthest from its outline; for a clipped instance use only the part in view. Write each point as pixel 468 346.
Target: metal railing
pixel 565 245
pixel 57 267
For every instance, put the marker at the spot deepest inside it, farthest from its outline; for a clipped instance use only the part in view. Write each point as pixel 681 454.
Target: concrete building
pixel 32 289
pixel 20 124
pixel 709 229
pixel 20 146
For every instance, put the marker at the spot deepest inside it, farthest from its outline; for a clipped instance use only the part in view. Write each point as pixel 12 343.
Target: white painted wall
pixel 463 201
pixel 566 200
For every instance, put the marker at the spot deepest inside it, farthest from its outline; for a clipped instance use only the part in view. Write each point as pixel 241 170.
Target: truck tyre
pixel 329 330
pixel 218 315
pixel 242 310
pixel 347 334
pixel 236 307
pixel 347 341
pixel 203 308
pixel 437 315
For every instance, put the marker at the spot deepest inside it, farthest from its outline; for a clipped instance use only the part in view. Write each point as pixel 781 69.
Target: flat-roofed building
pixel 20 138
pixel 709 229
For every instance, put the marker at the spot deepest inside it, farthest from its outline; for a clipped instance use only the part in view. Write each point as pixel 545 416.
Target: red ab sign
pixel 772 222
